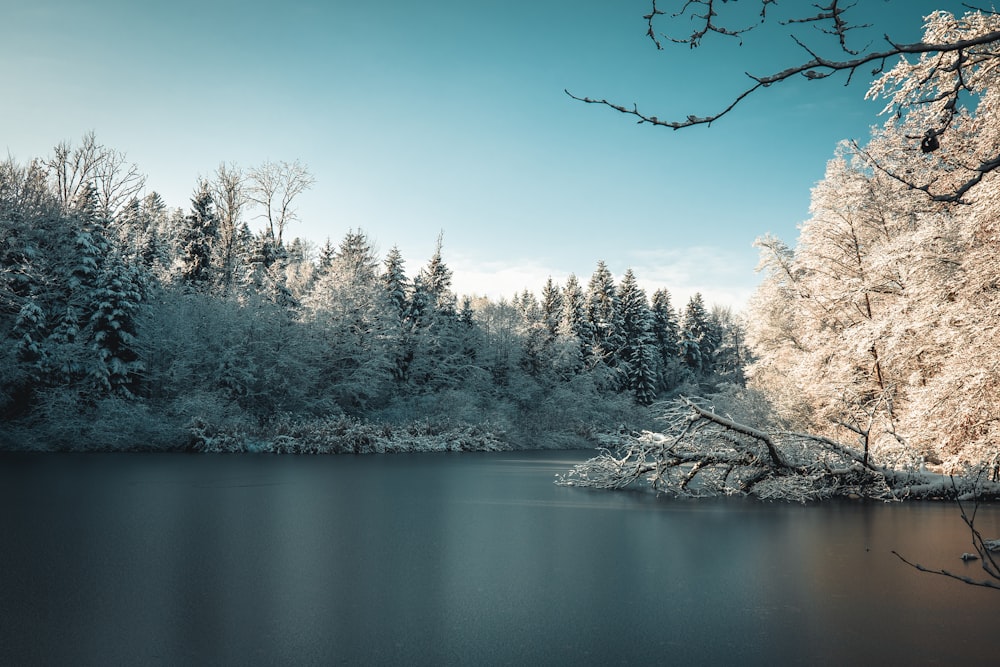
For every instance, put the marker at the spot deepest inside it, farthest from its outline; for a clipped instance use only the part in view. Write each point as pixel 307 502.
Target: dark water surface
pixel 460 559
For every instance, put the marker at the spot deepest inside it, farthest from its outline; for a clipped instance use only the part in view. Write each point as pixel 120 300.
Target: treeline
pixel 126 324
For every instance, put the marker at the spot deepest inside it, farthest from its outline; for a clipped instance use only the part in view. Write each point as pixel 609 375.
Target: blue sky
pixel 450 116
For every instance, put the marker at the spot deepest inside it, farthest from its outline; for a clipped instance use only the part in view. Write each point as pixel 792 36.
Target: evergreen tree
pixel 114 329
pixel 326 255
pixel 666 338
pixel 357 326
pixel 730 356
pixel 435 280
pixel 698 340
pixel 551 306
pixel 604 315
pixel 85 204
pixel 527 305
pixel 638 364
pixel 355 261
pixel 420 304
pixel 197 238
pixel 466 316
pixel 575 332
pixel 394 281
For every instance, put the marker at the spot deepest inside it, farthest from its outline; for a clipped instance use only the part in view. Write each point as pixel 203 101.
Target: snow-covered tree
pixel 604 315
pixel 198 237
pixel 394 281
pixel 228 187
pixel 637 349
pixel 114 324
pixel 697 340
pixel 435 281
pixel 551 306
pixel 574 334
pixel 666 337
pixel 355 324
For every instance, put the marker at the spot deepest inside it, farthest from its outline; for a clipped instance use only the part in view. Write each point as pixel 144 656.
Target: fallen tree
pixel 701 453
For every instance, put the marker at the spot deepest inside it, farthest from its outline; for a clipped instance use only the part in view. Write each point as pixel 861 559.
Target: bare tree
pixel 935 96
pixel 118 182
pixel 115 180
pixel 274 187
pixel 228 187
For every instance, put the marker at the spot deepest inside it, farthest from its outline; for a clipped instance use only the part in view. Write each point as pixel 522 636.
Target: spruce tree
pixel 697 340
pixel 574 326
pixel 551 306
pixel 436 282
pixel 666 339
pixel 326 255
pixel 394 281
pixel 637 365
pixel 114 329
pixel 604 314
pixel 197 237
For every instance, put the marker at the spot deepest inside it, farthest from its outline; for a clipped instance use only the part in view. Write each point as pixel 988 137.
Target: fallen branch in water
pixel 984 549
pixel 701 453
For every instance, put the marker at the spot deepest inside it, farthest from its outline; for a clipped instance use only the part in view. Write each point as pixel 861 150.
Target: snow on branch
pixel 956 59
pixel 701 453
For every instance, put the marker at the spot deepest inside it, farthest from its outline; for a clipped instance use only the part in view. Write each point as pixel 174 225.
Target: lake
pixel 474 559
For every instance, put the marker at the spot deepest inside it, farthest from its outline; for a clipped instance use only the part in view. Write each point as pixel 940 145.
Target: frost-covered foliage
pixel 346 435
pixel 700 452
pixel 876 324
pixel 879 325
pixel 190 330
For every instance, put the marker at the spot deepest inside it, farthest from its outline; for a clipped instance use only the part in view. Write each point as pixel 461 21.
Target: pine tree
pixel 637 365
pixel 527 305
pixel 552 303
pixel 326 255
pixel 666 337
pixel 355 261
pixel 197 238
pixel 697 342
pixel 604 314
pixel 394 281
pixel 575 333
pixel 435 280
pixel 114 329
pixel 357 325
pixel 85 204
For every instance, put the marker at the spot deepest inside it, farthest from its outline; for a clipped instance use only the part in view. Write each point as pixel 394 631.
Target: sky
pixel 450 117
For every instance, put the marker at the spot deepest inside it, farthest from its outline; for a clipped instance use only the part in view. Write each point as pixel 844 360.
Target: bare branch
pixel 702 453
pixel 953 53
pixel 274 187
pixel 985 583
pixel 115 180
pixel 820 66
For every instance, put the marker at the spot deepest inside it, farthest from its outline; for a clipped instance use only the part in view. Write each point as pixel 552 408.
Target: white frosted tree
pixel 665 329
pixel 356 327
pixel 637 351
pixel 604 316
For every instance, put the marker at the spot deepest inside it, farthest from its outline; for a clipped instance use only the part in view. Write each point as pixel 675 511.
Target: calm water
pixel 459 559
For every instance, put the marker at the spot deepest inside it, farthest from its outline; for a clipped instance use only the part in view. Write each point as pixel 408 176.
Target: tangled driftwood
pixel 701 453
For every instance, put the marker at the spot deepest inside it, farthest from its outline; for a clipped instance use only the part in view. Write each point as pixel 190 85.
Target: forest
pixel 873 366
pixel 868 348
pixel 130 325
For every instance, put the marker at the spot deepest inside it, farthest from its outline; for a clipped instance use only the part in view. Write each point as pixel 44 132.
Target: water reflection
pixel 458 559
